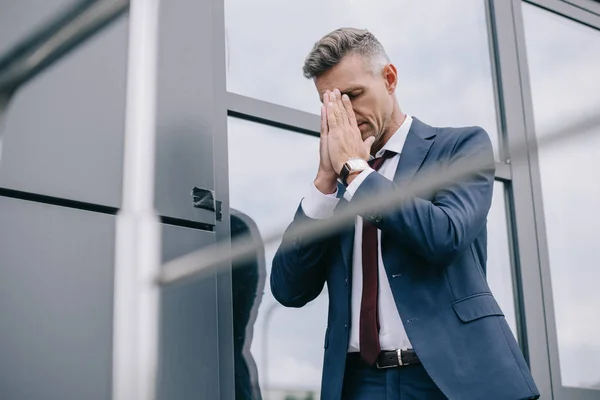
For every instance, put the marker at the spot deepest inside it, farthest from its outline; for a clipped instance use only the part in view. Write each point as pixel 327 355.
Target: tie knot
pixel 376 163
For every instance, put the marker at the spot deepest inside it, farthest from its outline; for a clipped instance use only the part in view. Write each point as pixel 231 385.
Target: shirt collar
pixel 396 142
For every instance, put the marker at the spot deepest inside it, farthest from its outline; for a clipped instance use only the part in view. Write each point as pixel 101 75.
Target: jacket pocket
pixel 326 345
pixel 476 306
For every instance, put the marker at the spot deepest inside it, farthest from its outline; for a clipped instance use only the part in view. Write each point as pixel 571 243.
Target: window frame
pixel 534 273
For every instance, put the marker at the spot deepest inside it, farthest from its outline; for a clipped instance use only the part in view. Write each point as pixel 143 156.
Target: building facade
pixel 236 120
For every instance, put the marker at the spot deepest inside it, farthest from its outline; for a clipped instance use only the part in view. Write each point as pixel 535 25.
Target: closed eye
pixel 354 95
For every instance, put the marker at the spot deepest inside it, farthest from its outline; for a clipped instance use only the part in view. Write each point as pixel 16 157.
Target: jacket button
pixel 345 326
pixel 346 282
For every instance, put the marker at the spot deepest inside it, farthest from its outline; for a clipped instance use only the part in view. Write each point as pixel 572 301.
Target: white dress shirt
pixel 317 205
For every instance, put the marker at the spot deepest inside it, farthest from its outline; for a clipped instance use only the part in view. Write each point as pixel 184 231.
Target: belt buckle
pixel 380 367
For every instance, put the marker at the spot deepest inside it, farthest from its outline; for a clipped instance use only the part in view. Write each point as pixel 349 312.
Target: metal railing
pixel 204 261
pixel 138 241
pixel 58 37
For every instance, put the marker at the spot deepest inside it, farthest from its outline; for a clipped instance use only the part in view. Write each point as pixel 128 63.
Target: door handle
pixel 205 199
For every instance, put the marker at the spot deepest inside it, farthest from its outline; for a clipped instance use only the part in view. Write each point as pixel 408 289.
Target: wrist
pixel 326 183
pixel 351 177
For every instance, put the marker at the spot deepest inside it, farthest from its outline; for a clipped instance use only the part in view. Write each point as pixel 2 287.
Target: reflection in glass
pixel 564 60
pixel 269 172
pixel 247 283
pixel 439 47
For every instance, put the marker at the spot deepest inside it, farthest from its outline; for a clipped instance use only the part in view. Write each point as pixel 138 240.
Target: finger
pixel 324 129
pixel 340 106
pixel 349 111
pixel 324 124
pixel 331 117
pixel 333 100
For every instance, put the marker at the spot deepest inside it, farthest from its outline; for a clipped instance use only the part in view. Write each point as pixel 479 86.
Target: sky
pixel 441 51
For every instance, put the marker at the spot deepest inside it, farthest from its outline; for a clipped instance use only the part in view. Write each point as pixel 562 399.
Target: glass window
pixel 499 266
pixel 439 47
pixel 287 344
pixel 564 60
pixel 268 190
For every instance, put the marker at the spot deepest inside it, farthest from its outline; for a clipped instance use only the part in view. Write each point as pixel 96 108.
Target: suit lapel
pixel 415 149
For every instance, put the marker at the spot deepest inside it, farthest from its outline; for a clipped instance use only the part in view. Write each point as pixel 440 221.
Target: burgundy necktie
pixel 369 319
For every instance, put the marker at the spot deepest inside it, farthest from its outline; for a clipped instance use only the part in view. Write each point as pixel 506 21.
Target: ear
pixel 390 75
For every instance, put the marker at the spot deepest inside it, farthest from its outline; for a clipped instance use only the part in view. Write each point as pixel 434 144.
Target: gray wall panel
pixel 63 130
pixel 56 291
pixel 189 358
pixel 185 108
pixel 56 280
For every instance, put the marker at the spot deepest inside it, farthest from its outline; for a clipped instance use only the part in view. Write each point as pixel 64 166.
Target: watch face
pixel 357 163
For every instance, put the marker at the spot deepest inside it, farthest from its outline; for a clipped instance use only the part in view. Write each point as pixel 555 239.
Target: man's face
pixel 371 93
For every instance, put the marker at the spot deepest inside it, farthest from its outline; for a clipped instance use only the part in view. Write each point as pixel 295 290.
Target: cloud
pixel 436 45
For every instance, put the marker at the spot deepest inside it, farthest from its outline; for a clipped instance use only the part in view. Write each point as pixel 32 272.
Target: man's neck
pixel 396 121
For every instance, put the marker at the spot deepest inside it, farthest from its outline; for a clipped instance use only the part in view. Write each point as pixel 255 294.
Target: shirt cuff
pixel 317 205
pixel 353 186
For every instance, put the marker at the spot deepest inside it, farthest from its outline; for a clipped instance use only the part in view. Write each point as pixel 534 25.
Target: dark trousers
pixel 410 382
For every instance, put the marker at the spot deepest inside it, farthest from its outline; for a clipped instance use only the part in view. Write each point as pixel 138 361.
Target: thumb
pixel 369 143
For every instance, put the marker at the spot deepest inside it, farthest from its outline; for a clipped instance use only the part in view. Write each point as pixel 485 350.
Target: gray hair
pixel 334 46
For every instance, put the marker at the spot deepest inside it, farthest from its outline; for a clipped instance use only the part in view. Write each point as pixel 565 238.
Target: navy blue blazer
pixel 434 251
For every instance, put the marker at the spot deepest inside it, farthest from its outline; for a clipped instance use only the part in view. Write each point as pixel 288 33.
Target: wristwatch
pixel 352 166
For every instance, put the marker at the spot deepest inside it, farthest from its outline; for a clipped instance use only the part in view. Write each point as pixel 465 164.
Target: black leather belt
pixel 397 358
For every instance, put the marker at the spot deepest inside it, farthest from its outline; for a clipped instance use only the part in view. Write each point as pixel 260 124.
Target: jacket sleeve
pixel 440 229
pixel 299 268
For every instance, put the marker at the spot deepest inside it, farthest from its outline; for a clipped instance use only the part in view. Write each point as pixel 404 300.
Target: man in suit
pixel 410 313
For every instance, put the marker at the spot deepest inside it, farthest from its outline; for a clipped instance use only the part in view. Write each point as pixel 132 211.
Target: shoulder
pixel 454 141
pixel 459 137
